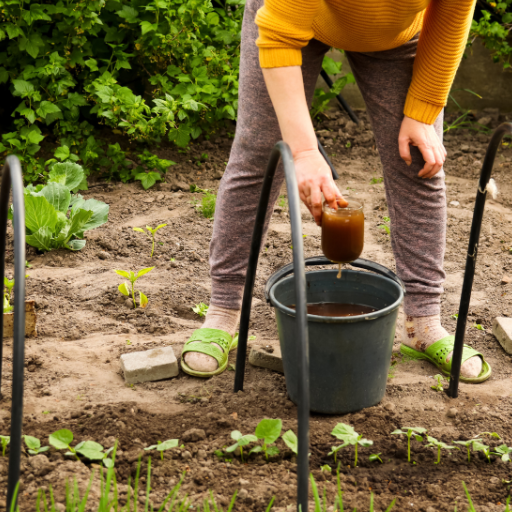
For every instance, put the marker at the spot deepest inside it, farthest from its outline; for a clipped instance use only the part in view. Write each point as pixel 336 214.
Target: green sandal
pixel 437 353
pixel 201 341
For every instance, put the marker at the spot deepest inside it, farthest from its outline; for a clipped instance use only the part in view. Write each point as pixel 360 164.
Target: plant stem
pixel 241 454
pixel 409 447
pixel 469 454
pixel 438 455
pixel 133 296
pixel 152 245
pixel 355 460
pixel 162 455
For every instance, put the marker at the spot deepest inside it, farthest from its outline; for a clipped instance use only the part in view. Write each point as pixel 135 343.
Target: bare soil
pixel 73 377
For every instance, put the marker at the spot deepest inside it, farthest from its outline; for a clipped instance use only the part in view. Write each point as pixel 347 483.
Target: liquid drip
pixel 336 309
pixel 339 273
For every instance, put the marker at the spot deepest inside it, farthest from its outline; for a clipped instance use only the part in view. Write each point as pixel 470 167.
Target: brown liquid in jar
pixel 336 309
pixel 343 233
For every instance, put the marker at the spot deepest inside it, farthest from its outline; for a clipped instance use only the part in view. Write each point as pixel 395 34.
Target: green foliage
pixel 8 285
pixel 385 225
pixel 376 181
pixel 34 445
pixel 375 456
pixel 146 68
pixel 269 431
pixel 5 440
pixel 410 432
pixel 151 233
pixel 439 379
pixel 494 28
pixel 290 440
pixel 195 189
pixel 55 217
pixel 468 445
pixel 200 309
pixel 503 451
pixel 321 98
pixel 162 446
pixel 480 447
pixel 132 277
pixel 432 441
pixel 207 206
pixel 241 441
pixel 349 436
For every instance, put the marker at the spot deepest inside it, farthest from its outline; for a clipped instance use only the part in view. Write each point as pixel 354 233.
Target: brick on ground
pixel 272 360
pixel 149 365
pixel 502 329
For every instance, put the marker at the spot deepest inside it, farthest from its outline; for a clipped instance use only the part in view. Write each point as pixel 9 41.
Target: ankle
pixel 420 332
pixel 221 318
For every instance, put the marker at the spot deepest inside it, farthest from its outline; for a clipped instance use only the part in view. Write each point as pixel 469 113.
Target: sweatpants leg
pixel 417 207
pixel 257 132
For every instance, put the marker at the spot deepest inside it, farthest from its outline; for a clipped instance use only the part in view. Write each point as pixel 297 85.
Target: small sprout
pixel 432 441
pixel 410 431
pixel 480 447
pixel 128 342
pixel 5 440
pixel 132 277
pixel 468 445
pixel 349 436
pixel 480 327
pixel 27 264
pixel 385 226
pixel 455 316
pixel 348 144
pixel 503 451
pixel 61 440
pixel 8 285
pixel 269 431
pixel 489 434
pixel 439 386
pixel 207 206
pixel 241 441
pixel 200 309
pixel 34 445
pixel 326 468
pixel 375 181
pixel 282 201
pixel 290 440
pixel 195 189
pixel 375 456
pixel 151 233
pixel 161 447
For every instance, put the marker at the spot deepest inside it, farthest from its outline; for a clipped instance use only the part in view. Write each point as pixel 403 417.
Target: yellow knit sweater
pixel 285 26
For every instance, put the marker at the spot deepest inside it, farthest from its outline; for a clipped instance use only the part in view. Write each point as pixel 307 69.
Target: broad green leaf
pixel 140 230
pixel 108 463
pixel 256 449
pixel 91 454
pixel 40 239
pixel 166 445
pixel 160 226
pixel 245 440
pixel 61 439
pixel 269 430
pixel 143 300
pixel 123 288
pixel 32 442
pixel 99 211
pixel 344 432
pixel 90 445
pixel 236 435
pixel 62 153
pixel 365 443
pixel 78 221
pixel 46 107
pixel 290 440
pixel 330 66
pixel 123 273
pixel 23 88
pixel 232 448
pixel 57 195
pixel 419 430
pixel 76 245
pixel 148 179
pixel 39 213
pixel 272 451
pixel 398 431
pixel 152 447
pixel 145 271
pixel 67 173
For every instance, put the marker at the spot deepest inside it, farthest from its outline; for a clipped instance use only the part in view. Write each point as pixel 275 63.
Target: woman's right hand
pixel 314 177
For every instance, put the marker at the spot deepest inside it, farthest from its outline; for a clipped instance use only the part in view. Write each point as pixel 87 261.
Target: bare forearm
pixel 286 90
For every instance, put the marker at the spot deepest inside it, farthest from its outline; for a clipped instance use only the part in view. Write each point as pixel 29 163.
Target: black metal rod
pixel 341 100
pixel 335 175
pixel 12 176
pixel 469 274
pixel 282 150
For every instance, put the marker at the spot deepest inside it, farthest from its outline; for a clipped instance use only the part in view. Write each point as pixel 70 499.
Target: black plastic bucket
pixel 349 357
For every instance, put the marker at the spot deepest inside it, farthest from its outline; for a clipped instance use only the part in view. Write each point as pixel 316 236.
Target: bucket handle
pixel 322 260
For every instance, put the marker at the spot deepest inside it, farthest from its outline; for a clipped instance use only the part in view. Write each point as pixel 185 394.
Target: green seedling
pixel 290 440
pixel 132 277
pixel 375 456
pixel 480 447
pixel 200 309
pixel 282 201
pixel 349 436
pixel 455 316
pixel 8 285
pixel 503 451
pixel 385 226
pixel 27 264
pixel 222 456
pixel 439 379
pixel 468 445
pixel 480 327
pixel 348 144
pixel 376 181
pixel 207 206
pixel 326 468
pixel 5 440
pixel 409 432
pixel 195 189
pixel 151 233
pixel 489 434
pixel 269 431
pixel 432 441
pixel 161 447
pixel 62 439
pixel 241 441
pixel 34 445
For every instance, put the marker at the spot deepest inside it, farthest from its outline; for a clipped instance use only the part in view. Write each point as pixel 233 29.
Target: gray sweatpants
pixel 417 207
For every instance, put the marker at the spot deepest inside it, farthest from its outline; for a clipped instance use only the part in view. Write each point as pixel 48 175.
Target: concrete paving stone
pixel 502 329
pixel 149 365
pixel 260 357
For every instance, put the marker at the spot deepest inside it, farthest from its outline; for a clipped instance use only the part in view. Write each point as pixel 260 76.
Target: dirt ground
pixel 73 378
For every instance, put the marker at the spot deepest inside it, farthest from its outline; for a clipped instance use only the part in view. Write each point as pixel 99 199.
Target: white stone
pixel 149 365
pixel 502 329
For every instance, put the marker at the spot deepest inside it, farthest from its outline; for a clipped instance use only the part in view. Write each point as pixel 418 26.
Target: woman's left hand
pixel 425 138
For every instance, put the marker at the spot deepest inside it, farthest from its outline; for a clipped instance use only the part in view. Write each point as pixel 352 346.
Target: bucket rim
pixel 339 319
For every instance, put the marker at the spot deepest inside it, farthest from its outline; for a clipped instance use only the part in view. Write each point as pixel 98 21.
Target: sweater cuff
pixel 280 57
pixel 421 110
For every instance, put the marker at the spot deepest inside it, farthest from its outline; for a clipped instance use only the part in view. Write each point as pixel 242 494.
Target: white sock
pixel 421 331
pixel 216 318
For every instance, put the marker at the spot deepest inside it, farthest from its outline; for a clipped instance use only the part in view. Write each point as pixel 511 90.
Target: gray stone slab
pixel 502 329
pixel 271 360
pixel 149 365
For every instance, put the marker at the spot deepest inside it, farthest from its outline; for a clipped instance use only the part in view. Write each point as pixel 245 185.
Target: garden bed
pixel 73 378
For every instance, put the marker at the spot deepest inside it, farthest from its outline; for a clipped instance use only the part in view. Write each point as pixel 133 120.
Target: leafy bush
pixel 146 68
pixel 56 218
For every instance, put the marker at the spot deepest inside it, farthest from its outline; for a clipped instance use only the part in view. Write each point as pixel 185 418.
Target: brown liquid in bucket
pixel 336 309
pixel 343 233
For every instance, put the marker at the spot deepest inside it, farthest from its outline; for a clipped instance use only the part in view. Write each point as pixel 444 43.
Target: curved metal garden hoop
pixel 12 176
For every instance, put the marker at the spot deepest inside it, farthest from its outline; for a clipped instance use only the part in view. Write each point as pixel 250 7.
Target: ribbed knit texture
pixel 286 26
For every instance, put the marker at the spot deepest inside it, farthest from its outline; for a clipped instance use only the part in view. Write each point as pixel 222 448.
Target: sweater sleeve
pixel 440 48
pixel 285 26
